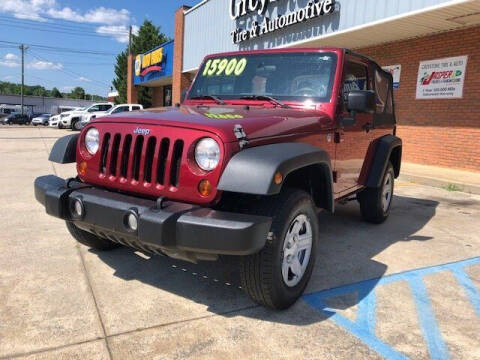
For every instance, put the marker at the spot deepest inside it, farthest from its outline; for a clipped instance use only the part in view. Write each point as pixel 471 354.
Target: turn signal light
pixel 205 188
pixel 82 168
pixel 278 178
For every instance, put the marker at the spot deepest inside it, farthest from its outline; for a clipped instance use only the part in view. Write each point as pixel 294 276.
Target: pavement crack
pixel 47 150
pixel 90 288
pixel 48 349
pixel 233 311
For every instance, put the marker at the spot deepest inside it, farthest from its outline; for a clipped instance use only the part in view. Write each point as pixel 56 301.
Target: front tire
pixel 375 203
pixel 90 240
pixel 76 126
pixel 277 275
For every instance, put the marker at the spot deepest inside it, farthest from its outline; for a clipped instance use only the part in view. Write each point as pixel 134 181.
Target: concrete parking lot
pixel 409 288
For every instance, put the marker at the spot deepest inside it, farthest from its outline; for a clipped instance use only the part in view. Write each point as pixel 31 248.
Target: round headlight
pixel 207 154
pixel 92 141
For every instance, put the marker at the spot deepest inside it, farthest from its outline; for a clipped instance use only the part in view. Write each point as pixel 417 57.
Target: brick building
pixel 439 126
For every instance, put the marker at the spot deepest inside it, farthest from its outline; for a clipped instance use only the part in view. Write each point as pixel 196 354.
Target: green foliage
pixel 56 93
pixel 120 81
pixel 148 37
pixel 78 93
pixel 453 187
pixel 9 88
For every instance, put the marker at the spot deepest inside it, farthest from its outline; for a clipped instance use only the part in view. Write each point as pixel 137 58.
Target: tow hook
pixel 240 135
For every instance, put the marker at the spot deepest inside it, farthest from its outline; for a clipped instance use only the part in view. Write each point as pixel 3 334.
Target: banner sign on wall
pixel 441 78
pixel 238 8
pixel 396 71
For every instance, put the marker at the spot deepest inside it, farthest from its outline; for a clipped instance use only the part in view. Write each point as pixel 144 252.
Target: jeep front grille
pixel 141 160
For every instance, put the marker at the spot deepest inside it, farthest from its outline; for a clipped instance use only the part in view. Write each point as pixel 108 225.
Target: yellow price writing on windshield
pixel 225 66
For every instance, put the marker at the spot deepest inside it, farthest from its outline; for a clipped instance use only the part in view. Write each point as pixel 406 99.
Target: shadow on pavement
pixel 345 256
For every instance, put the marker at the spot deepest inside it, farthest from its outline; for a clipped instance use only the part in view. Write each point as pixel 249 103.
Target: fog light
pixel 205 188
pixel 77 208
pixel 132 221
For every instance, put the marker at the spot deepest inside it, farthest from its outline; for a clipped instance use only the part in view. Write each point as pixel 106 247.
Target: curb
pixel 441 183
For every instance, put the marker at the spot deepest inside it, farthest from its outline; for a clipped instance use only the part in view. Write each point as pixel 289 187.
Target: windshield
pixel 284 76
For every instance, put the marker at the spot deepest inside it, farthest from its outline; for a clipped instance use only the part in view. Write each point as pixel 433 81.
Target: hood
pixel 71 112
pixel 257 121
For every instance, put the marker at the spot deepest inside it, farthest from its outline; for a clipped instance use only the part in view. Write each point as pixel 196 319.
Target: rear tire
pixel 375 203
pixel 90 240
pixel 268 276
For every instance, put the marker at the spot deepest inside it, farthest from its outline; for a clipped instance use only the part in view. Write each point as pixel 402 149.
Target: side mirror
pixel 362 101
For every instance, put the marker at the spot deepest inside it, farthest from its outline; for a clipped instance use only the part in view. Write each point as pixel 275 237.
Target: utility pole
pixel 130 41
pixel 23 48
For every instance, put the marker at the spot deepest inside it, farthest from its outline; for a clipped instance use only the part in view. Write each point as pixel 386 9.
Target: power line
pixel 72 73
pixel 56 25
pixel 87 64
pixel 96 35
pixel 61 49
pixel 57 22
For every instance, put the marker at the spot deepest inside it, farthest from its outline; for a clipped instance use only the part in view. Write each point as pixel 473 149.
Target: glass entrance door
pixel 167 95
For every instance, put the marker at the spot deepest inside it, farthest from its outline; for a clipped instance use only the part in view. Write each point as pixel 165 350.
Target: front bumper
pixel 176 229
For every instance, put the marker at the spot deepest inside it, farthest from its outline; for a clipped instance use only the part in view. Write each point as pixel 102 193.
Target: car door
pixel 352 141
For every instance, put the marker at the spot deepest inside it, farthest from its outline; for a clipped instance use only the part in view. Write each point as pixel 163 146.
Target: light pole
pixel 23 48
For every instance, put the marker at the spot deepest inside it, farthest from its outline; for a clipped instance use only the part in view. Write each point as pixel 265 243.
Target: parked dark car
pixel 16 119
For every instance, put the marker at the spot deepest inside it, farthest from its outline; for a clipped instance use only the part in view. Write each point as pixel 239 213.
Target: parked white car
pixel 114 110
pixel 74 119
pixel 55 121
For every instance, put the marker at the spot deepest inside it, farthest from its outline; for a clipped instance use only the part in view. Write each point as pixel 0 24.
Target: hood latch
pixel 240 135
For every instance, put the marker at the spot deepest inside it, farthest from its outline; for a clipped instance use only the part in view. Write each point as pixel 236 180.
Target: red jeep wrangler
pixel 262 142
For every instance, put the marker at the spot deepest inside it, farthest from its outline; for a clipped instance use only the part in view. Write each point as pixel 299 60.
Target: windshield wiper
pixel 212 97
pixel 266 97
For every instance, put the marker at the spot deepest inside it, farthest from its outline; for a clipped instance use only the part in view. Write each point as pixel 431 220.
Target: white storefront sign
pixel 441 78
pixel 396 71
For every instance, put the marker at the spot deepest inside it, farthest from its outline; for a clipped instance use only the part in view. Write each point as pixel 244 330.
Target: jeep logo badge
pixel 140 131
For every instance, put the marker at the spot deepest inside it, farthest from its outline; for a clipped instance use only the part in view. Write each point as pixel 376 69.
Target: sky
pixel 96 29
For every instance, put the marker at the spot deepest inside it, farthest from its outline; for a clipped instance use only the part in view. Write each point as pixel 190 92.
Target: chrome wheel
pixel 387 191
pixel 297 248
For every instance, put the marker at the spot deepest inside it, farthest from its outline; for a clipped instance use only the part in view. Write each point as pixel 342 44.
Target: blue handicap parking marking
pixel 364 325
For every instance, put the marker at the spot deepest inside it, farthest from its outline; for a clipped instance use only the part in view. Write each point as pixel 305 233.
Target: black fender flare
pixel 64 150
pixel 386 145
pixel 252 171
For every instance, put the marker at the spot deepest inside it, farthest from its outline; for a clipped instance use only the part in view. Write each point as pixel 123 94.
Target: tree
pixel 56 93
pixel 148 37
pixel 78 93
pixel 120 81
